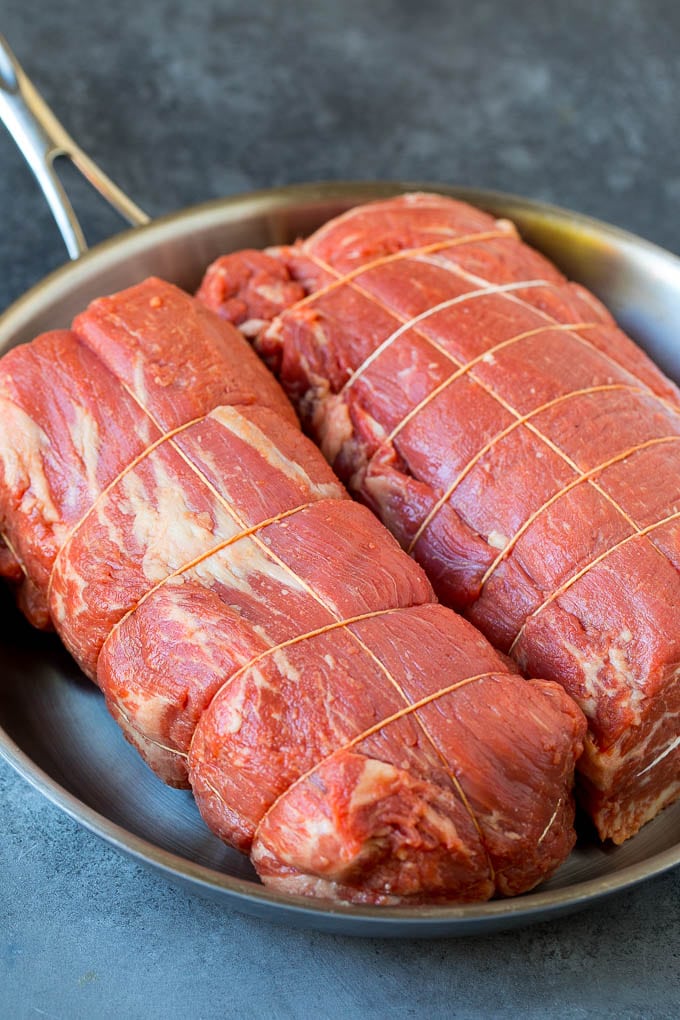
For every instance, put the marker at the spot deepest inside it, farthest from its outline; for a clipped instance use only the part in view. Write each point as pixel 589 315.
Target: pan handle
pixel 42 139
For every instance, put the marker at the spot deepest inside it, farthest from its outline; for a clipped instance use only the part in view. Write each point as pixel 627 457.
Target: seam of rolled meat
pixel 512 438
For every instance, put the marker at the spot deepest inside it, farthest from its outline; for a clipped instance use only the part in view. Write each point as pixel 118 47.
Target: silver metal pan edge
pixel 54 728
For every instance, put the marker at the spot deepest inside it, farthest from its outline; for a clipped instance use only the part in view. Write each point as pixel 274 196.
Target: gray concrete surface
pixel 576 103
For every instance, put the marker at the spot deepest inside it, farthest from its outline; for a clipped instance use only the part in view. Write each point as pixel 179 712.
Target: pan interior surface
pixel 54 727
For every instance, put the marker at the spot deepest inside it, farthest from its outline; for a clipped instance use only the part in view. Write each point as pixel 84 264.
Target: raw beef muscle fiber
pixel 151 345
pixel 513 439
pixel 258 636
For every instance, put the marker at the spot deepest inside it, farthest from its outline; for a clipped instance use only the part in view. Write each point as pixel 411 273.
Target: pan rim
pixel 242 893
pixel 279 197
pixel 532 906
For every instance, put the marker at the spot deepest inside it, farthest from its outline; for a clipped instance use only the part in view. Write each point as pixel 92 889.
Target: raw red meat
pixel 179 362
pixel 259 636
pixel 514 440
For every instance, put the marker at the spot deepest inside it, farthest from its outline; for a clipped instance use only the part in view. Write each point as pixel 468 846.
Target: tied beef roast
pixel 150 347
pixel 513 439
pixel 258 636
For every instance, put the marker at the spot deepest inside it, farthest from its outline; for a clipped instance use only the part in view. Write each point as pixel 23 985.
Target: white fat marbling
pixel 84 432
pixel 497 539
pixel 166 527
pixel 249 433
pixel 22 447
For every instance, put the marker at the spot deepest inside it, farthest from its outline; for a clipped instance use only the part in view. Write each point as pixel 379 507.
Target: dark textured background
pixel 182 102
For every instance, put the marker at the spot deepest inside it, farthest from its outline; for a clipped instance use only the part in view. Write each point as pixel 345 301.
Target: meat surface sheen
pixel 260 637
pixel 150 347
pixel 513 439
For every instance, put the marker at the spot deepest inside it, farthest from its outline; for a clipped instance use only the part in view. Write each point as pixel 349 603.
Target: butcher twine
pixel 377 728
pixel 506 292
pixel 586 476
pixel 408 709
pixel 397 256
pixel 643 532
pixel 409 324
pixel 303 584
pixel 246 533
pixel 467 368
pixel 112 484
pixel 581 475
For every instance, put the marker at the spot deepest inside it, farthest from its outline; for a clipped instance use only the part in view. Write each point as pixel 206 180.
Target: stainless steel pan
pixel 54 728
